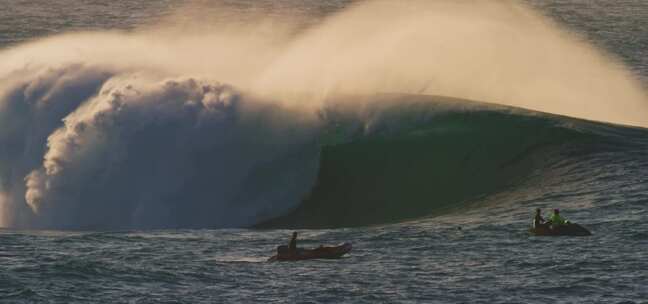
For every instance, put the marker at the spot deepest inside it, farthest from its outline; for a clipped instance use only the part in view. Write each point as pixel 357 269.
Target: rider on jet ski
pixel 292 246
pixel 556 220
pixel 538 220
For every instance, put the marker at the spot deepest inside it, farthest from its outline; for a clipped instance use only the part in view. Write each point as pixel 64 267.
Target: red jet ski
pixel 321 252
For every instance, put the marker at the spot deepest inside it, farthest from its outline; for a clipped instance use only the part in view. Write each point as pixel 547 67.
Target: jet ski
pixel 321 252
pixel 569 229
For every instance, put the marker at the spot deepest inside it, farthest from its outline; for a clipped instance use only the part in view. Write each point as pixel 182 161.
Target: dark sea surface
pixel 493 168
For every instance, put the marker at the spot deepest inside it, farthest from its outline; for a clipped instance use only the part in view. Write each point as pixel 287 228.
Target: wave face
pixel 423 158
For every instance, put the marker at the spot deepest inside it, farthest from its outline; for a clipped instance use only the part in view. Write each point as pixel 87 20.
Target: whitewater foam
pixel 146 152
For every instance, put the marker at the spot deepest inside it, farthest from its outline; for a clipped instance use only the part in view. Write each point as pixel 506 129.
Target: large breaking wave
pixel 235 127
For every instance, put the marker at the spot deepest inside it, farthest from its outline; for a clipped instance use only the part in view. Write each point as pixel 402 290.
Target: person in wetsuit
pixel 538 220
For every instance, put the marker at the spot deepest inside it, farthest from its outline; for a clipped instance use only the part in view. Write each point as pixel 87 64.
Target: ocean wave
pixel 89 148
pixel 230 124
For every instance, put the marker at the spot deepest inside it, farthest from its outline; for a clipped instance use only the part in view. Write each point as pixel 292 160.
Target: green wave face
pixel 414 164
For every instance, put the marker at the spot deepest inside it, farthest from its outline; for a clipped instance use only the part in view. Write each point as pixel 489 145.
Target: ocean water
pixel 115 189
